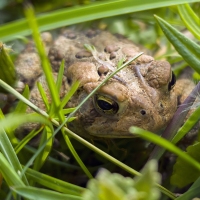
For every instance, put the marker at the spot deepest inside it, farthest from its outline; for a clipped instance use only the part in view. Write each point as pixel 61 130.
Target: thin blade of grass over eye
pixel 100 85
pixel 190 19
pixel 165 144
pixel 187 48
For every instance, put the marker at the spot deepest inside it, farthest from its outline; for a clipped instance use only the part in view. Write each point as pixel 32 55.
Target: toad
pixel 143 94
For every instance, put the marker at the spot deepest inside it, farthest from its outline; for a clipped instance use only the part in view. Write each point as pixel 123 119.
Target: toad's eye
pixel 172 82
pixel 105 105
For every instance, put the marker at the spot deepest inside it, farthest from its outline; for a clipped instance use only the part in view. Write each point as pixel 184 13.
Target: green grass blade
pixel 40 118
pixel 46 67
pixel 21 106
pixel 187 126
pixel 192 192
pixel 37 193
pixel 188 49
pixel 69 94
pixel 177 121
pixel 12 178
pixel 9 153
pixel 26 139
pixel 68 110
pixel 43 95
pixel 9 132
pixel 190 19
pixel 36 154
pixel 54 161
pixel 96 10
pixel 19 119
pixel 183 173
pixel 41 158
pixel 113 160
pixel 53 183
pixel 22 98
pixel 59 82
pixel 165 144
pixel 60 75
pixel 7 67
pixel 74 153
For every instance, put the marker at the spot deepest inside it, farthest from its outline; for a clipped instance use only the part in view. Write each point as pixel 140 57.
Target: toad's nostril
pixel 143 112
pixel 69 80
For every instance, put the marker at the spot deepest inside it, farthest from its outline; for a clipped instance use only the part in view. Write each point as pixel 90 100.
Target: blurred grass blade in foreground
pixel 78 14
pixel 187 48
pixel 190 19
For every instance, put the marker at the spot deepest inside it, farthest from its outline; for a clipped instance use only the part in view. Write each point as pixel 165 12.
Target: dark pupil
pixel 172 82
pixel 104 105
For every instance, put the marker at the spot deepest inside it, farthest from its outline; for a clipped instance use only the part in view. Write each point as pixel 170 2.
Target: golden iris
pixel 106 105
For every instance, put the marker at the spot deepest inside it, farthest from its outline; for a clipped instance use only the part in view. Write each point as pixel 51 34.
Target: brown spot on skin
pixel 103 70
pixel 71 36
pixel 91 33
pixel 111 48
pixel 113 55
pixel 83 54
